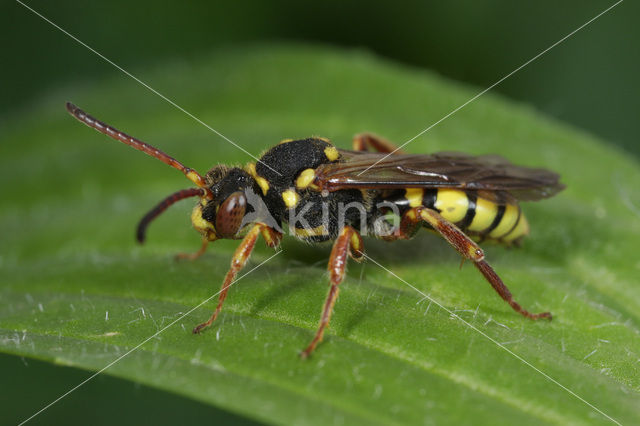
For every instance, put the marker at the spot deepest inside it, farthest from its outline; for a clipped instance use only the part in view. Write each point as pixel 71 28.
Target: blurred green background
pixel 591 81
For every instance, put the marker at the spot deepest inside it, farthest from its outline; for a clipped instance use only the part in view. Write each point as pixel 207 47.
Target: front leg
pixel 194 256
pixel 471 251
pixel 349 242
pixel 363 141
pixel 239 259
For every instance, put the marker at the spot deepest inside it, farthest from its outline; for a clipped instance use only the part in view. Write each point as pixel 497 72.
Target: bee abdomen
pixel 475 215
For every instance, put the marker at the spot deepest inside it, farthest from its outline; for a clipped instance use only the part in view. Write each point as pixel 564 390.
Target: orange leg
pixel 471 251
pixel 194 256
pixel 271 236
pixel 363 141
pixel 349 242
pixel 238 261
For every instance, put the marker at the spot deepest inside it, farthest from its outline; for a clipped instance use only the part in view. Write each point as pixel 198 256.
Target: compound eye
pixel 230 215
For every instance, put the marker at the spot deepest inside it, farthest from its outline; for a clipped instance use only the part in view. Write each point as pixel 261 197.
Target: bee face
pixel 222 216
pixel 203 226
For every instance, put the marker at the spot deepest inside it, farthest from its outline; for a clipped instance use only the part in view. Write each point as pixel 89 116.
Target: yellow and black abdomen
pixel 485 216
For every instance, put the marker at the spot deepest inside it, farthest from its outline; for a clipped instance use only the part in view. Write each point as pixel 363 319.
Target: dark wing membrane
pixel 441 170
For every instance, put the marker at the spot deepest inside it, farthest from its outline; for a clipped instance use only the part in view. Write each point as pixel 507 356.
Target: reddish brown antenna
pixel 162 206
pixel 116 134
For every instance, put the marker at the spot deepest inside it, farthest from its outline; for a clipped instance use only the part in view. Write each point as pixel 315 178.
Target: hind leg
pixel 364 141
pixel 470 251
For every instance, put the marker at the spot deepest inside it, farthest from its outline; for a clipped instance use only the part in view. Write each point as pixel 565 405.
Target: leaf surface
pixel 77 291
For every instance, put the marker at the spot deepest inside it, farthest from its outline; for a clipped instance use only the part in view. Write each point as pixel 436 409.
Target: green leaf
pixel 76 290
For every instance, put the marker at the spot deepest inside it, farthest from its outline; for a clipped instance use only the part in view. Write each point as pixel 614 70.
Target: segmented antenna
pixel 162 206
pixel 116 134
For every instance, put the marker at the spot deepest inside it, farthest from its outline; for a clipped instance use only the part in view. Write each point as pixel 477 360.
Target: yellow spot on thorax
pixel 507 222
pixel 290 198
pixel 486 212
pixel 251 169
pixel 305 178
pixel 452 204
pixel 415 196
pixel 332 153
pixel 262 182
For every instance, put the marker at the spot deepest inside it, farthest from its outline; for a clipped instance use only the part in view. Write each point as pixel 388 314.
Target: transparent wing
pixel 440 170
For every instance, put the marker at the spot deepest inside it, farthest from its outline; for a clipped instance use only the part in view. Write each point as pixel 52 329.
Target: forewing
pixel 441 170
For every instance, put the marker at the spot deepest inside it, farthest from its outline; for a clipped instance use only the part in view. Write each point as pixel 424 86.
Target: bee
pixel 323 193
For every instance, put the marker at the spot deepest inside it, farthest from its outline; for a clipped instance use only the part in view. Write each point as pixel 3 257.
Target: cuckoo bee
pixel 465 199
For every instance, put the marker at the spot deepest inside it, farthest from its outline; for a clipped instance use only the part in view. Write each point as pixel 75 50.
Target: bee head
pixel 222 216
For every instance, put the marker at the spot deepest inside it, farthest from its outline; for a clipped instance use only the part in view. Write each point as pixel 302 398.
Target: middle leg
pixel 348 243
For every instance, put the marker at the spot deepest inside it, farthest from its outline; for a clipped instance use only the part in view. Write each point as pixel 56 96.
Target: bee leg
pixel 194 256
pixel 238 261
pixel 363 141
pixel 348 242
pixel 471 251
pixel 271 236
